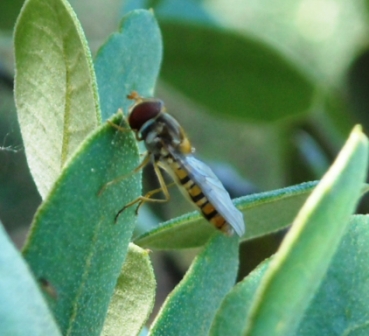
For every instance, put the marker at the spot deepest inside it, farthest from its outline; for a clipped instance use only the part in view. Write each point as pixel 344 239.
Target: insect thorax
pixel 160 133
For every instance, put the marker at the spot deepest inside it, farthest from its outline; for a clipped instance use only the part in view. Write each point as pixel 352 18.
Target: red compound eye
pixel 143 112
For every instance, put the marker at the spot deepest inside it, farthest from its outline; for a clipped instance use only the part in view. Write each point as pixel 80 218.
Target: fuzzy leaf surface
pixel 190 308
pixel 263 213
pixel 339 307
pixel 129 61
pixel 133 297
pixel 55 87
pixel 74 242
pixel 307 250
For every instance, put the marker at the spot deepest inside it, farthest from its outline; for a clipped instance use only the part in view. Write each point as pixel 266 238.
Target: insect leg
pixel 144 162
pixel 118 127
pixel 147 198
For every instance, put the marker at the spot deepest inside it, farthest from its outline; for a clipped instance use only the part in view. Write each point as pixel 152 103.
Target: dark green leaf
pixel 233 75
pixel 23 310
pixel 55 87
pixel 305 254
pixel 230 318
pixel 74 242
pixel 264 213
pixel 190 308
pixel 129 60
pixel 8 13
pixel 133 297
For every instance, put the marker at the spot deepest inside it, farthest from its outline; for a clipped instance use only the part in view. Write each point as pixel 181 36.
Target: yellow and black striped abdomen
pixel 195 193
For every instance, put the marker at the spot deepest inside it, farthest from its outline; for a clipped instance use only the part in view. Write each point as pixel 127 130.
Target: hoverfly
pixel 169 148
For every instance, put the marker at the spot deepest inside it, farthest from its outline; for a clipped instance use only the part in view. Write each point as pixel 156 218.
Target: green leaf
pixel 190 308
pixel 305 254
pixel 55 87
pixel 133 297
pixel 230 318
pixel 264 213
pixel 340 306
pixel 130 60
pixel 8 13
pixel 75 244
pixel 184 11
pixel 236 76
pixel 23 310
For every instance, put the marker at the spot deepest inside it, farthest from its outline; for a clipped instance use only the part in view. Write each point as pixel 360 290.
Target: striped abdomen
pixel 195 193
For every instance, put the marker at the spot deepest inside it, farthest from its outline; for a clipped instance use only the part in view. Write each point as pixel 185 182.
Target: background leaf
pixel 236 76
pixel 190 308
pixel 74 243
pixel 89 12
pixel 8 13
pixel 129 60
pixel 55 87
pixel 23 310
pixel 306 252
pixel 133 297
pixel 263 213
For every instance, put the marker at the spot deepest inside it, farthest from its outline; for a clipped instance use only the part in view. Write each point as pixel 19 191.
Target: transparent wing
pixel 214 190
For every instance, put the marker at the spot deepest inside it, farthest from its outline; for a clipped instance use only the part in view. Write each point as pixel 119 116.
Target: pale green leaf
pixel 339 306
pixel 133 297
pixel 55 87
pixel 305 254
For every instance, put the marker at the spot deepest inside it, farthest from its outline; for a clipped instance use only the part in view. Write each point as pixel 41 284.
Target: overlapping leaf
pixel 300 264
pixel 133 296
pixel 343 290
pixel 129 61
pixel 190 308
pixel 75 244
pixel 263 213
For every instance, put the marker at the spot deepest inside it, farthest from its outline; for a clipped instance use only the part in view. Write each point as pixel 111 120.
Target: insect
pixel 169 148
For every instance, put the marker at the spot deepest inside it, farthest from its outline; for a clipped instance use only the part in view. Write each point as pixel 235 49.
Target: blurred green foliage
pixel 279 67
pixel 267 92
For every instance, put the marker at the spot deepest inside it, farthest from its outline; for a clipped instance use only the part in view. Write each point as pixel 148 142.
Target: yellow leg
pixel 118 127
pixel 147 198
pixel 144 162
